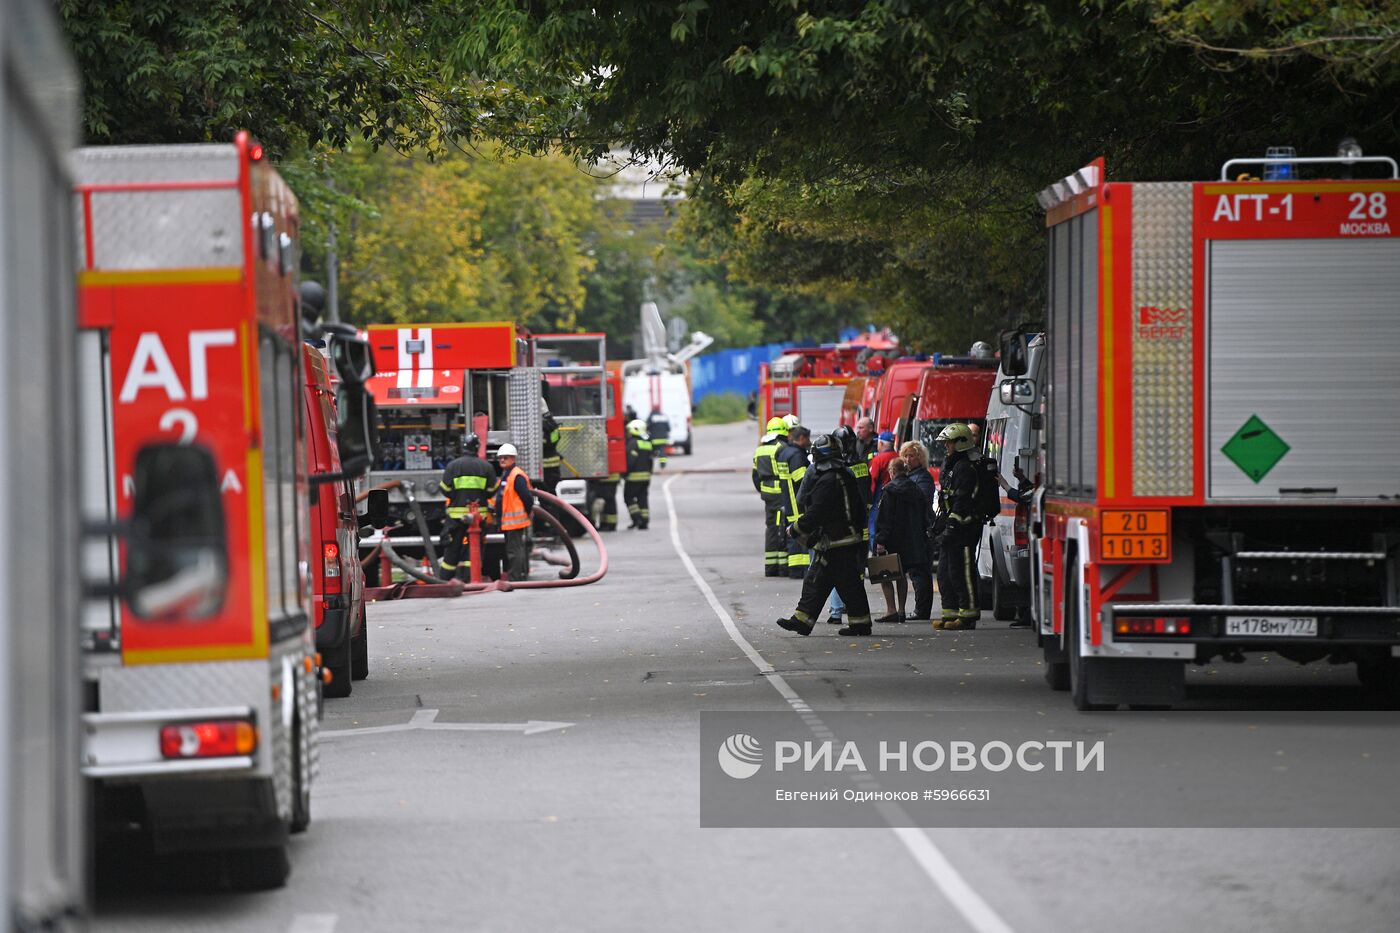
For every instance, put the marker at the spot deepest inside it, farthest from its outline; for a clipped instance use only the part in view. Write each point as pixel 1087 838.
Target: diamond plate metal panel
pixel 143 687
pixel 526 429
pixel 583 443
pixel 161 229
pixel 1163 335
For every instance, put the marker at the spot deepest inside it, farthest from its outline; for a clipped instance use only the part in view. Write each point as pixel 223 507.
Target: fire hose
pixel 568 577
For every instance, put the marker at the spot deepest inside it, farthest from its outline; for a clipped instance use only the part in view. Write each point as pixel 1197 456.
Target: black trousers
pixel 798 557
pixel 636 493
pixel 957 567
pixel 921 581
pixel 842 569
pixel 456 555
pixel 518 555
pixel 775 559
pixel 607 492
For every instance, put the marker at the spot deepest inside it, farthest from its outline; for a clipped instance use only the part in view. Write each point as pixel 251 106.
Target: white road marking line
pixel 313 923
pixel 423 720
pixel 976 911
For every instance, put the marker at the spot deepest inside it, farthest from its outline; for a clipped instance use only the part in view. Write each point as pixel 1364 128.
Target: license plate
pixel 1272 626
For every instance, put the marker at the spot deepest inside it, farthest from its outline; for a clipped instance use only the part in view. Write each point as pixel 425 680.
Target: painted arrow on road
pixel 425 719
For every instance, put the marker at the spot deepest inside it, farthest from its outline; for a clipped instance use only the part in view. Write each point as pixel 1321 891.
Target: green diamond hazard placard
pixel 1255 448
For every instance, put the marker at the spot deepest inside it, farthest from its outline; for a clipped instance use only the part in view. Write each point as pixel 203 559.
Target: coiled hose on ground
pixel 567 577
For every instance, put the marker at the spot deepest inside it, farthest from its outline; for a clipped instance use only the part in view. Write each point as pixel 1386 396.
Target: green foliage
pixel 721 408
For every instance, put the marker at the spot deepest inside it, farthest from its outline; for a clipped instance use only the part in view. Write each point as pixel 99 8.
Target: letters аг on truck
pixel 201 723
pixel 1206 493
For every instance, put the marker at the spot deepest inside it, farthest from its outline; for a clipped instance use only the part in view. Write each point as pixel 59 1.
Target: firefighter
pixel 636 488
pixel 515 503
pixel 791 468
pixel 551 464
pixel 865 443
pixel 845 440
pixel 832 523
pixel 765 481
pixel 467 483
pixel 959 532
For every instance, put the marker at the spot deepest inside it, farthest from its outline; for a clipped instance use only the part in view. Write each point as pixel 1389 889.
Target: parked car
pixel 1012 436
pixel 337 579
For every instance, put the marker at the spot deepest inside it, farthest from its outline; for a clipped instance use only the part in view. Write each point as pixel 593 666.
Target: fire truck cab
pixel 1205 492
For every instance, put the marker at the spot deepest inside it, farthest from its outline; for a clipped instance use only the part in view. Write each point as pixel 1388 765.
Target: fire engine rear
pixel 1214 482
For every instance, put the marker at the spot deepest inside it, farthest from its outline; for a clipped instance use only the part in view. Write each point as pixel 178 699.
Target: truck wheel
pixel 301 781
pixel 338 662
pixel 359 649
pixel 1000 610
pixel 1081 669
pixel 689 446
pixel 260 869
pixel 1380 676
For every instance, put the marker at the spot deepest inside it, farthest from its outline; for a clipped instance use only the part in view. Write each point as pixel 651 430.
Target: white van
pixel 1011 435
pixel 646 388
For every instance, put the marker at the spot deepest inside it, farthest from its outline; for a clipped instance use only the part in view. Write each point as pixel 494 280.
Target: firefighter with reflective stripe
pixel 959 533
pixel 515 503
pixel 833 516
pixel 467 483
pixel 791 468
pixel 550 465
pixel 637 486
pixel 765 480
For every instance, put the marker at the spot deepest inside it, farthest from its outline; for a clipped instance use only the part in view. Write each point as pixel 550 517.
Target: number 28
pixel 1367 208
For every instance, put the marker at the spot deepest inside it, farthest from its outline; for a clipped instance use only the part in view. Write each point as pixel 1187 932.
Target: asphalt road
pixel 512 821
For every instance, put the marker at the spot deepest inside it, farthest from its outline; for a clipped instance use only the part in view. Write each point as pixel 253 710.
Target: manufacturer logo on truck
pixel 1156 323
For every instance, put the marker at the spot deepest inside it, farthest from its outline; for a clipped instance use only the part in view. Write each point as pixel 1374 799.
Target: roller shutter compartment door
pixel 1303 369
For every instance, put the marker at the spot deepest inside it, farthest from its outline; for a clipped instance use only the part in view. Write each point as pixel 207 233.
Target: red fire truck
pixel 201 710
pixel 809 382
pixel 1206 492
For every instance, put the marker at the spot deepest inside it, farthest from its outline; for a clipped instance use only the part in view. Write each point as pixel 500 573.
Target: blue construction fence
pixel 732 370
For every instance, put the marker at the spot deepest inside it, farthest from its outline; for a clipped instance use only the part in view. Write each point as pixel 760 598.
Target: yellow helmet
pixel 777 426
pixel 959 434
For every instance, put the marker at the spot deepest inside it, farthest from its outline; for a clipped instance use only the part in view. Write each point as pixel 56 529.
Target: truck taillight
pixel 218 738
pixel 1152 627
pixel 1021 524
pixel 332 567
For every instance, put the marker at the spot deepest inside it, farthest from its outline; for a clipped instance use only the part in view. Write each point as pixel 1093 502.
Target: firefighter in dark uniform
pixel 637 487
pixel 551 464
pixel 765 480
pixel 959 531
pixel 832 520
pixel 605 497
pixel 467 482
pixel 792 467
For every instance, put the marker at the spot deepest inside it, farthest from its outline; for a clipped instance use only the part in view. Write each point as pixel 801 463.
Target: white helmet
pixel 507 450
pixel 792 421
pixel 982 350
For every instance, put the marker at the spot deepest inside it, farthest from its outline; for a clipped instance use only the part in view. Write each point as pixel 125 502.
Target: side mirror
pixel 176 549
pixel 354 362
pixel 357 435
pixel 1015 353
pixel 1017 392
pixel 376 513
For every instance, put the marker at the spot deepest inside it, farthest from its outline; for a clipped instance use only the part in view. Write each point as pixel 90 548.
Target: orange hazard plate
pixel 1135 536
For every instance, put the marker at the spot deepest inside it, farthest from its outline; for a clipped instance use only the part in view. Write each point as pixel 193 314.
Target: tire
pixel 359 649
pixel 1000 610
pixel 688 446
pixel 338 663
pixel 301 782
pixel 1080 667
pixel 1380 676
pixel 261 869
pixel 1056 665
